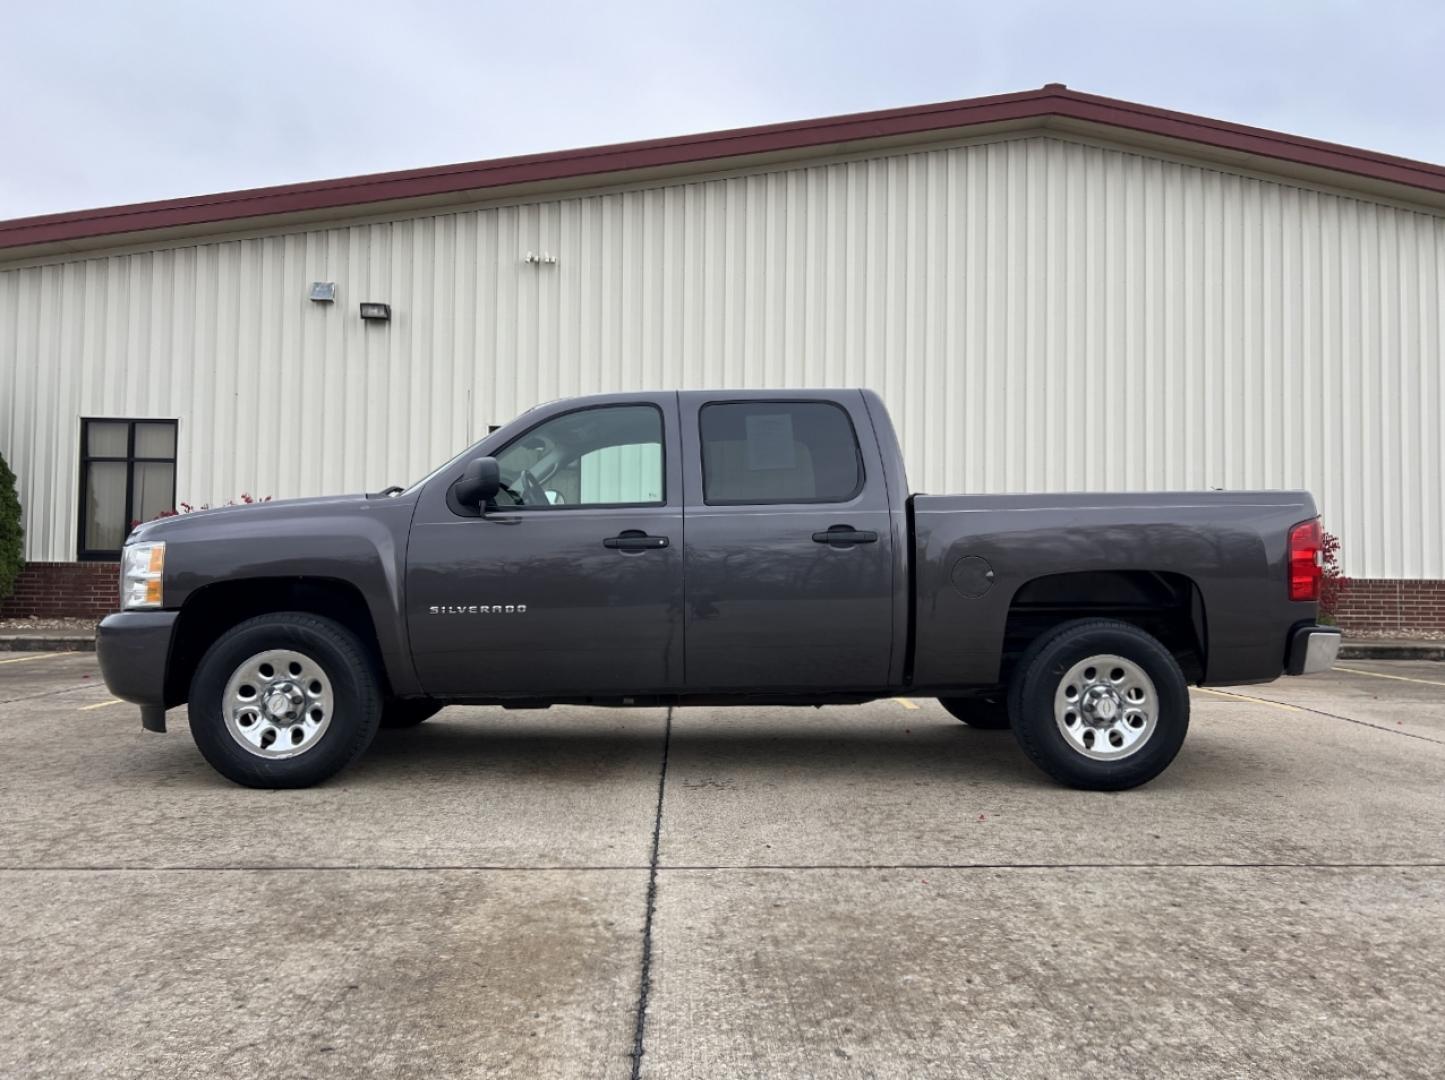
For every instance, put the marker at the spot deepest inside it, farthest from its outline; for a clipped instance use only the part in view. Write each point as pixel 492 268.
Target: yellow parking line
pixel 1382 675
pixel 1246 697
pixel 100 705
pixel 906 703
pixel 32 656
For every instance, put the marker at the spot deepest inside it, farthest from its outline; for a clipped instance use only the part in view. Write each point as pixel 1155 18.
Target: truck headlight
pixel 142 575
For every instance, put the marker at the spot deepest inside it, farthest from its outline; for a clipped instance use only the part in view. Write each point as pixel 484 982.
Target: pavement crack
pixel 1338 716
pixel 50 693
pixel 723 867
pixel 659 869
pixel 304 868
pixel 644 986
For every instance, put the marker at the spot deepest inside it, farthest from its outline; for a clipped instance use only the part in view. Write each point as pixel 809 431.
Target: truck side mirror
pixel 480 482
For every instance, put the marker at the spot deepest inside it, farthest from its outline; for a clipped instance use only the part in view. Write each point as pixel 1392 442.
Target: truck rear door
pixel 788 561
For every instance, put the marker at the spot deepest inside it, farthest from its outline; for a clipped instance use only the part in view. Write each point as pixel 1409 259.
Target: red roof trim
pixel 1051 101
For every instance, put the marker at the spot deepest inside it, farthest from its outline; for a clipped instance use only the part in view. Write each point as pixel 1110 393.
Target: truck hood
pixel 264 517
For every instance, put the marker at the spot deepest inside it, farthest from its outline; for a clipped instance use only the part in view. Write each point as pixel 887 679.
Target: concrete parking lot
pixel 871 891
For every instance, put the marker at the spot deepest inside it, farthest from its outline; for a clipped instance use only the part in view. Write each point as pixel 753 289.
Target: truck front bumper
pixel 1312 649
pixel 133 648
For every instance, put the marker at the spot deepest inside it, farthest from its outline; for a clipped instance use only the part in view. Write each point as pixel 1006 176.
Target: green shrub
pixel 11 559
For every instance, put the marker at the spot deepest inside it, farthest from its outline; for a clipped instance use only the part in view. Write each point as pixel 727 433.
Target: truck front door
pixel 572 584
pixel 789 553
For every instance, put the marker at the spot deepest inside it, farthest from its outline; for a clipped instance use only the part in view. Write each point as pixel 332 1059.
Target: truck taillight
pixel 1305 568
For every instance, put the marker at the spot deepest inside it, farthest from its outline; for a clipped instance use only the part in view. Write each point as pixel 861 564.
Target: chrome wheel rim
pixel 1106 707
pixel 278 704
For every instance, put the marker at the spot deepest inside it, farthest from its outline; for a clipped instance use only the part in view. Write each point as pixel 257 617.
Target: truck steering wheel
pixel 532 493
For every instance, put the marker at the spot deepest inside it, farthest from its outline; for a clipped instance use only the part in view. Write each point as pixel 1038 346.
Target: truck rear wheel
pixel 1099 704
pixel 284 701
pixel 989 712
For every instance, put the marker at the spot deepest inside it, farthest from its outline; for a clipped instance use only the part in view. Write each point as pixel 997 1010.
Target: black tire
pixel 1038 678
pixel 356 700
pixel 407 712
pixel 988 713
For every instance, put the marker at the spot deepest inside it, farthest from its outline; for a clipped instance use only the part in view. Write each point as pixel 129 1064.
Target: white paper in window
pixel 770 441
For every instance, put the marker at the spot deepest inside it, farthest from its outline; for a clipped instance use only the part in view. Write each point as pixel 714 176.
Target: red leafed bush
pixel 185 508
pixel 1333 584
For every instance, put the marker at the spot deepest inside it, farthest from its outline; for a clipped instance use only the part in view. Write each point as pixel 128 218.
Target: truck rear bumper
pixel 133 648
pixel 1312 649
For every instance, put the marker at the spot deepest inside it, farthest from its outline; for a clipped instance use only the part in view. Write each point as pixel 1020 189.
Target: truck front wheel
pixel 989 712
pixel 1099 704
pixel 284 701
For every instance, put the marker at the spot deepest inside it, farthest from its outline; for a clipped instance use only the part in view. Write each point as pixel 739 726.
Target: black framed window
pixel 761 452
pixel 127 475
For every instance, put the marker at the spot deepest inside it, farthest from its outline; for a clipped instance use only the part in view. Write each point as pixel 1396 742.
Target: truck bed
pixel 984 560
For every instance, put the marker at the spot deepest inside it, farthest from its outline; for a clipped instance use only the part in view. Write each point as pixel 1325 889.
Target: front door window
pixel 605 456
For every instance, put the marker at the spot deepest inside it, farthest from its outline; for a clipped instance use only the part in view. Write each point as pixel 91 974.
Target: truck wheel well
pixel 1166 605
pixel 213 609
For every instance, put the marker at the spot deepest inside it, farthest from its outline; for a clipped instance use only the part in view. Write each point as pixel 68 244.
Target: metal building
pixel 1052 291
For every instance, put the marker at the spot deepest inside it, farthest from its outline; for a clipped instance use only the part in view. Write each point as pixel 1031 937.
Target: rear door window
pixel 759 452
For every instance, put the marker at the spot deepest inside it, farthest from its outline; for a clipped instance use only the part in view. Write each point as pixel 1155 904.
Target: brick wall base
pixel 60 589
pixel 1376 604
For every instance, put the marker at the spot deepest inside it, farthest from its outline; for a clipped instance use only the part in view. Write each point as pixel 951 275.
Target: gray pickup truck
pixel 710 547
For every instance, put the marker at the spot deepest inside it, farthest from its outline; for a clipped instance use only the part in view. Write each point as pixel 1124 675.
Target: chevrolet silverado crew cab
pixel 718 548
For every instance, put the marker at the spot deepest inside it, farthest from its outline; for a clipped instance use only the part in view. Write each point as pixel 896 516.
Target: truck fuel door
pixel 972 576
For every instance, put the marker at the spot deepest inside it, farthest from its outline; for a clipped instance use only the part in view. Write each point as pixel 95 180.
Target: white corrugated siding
pixel 1039 315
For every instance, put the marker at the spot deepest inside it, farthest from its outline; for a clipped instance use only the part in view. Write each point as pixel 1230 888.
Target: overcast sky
pixel 109 102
